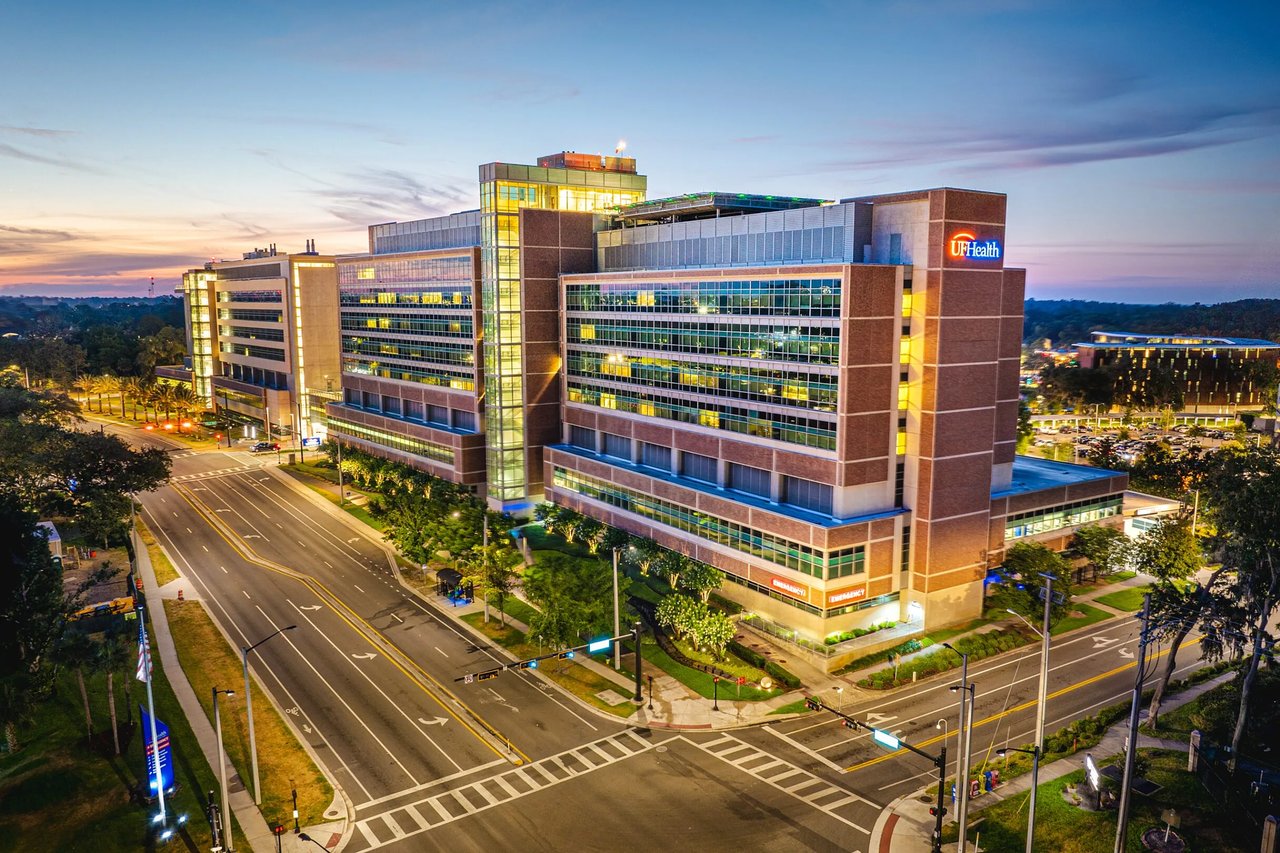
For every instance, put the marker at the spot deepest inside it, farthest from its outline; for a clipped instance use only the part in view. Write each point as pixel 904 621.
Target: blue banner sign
pixel 165 752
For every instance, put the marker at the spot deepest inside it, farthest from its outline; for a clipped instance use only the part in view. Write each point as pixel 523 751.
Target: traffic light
pixel 564 655
pixel 527 664
pixel 850 724
pixel 812 704
pixel 933 811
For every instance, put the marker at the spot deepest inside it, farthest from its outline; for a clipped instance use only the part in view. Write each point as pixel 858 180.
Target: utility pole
pixel 1131 751
pixel 222 769
pixel 342 497
pixel 963 733
pixel 617 625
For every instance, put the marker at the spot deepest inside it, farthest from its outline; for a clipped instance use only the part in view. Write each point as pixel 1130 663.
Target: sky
pixel 1138 142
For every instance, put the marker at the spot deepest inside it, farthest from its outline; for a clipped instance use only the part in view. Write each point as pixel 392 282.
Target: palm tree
pixel 163 396
pixel 109 384
pixel 183 400
pixel 114 654
pixel 76 650
pixel 132 389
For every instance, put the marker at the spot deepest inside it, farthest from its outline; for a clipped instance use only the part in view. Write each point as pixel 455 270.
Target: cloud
pixel 383 195
pixel 96 264
pixel 20 154
pixel 1060 136
pixel 34 131
pixel 22 241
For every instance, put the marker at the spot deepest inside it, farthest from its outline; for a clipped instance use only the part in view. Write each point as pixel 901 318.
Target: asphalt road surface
pixel 367 678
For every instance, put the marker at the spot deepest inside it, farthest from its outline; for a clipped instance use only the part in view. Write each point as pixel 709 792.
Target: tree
pixel 670 565
pixel 184 401
pixel 32 614
pixel 168 346
pixel 115 655
pixel 77 652
pixel 493 566
pixel 701 579
pixel 580 589
pixel 1179 602
pixel 1025 428
pixel 1106 548
pixel 1024 563
pixel 1244 499
pixel 713 631
pixel 644 553
pixel 678 614
pixel 162 397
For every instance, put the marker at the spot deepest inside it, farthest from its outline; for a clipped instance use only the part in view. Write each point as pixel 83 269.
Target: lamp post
pixel 1035 753
pixel 342 496
pixel 1041 698
pixel 222 769
pixel 248 707
pixel 617 624
pixel 963 732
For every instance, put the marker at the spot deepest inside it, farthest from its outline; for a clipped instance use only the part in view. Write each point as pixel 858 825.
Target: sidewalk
pixel 905 826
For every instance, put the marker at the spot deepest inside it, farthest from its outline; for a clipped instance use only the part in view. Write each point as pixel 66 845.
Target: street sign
pixel 487 674
pixel 311 443
pixel 599 646
pixel 885 739
pixel 165 755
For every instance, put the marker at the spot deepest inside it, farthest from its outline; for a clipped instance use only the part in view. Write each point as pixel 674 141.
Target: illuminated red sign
pixel 845 596
pixel 966 246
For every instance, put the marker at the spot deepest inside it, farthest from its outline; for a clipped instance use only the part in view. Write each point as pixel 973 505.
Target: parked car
pixel 264 447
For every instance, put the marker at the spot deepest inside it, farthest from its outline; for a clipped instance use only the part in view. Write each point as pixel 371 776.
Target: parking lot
pixel 1082 442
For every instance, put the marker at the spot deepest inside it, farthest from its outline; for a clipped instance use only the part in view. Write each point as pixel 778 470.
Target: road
pixel 367 678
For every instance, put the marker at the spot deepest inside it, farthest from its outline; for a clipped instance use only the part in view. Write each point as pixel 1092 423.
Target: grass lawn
pixel 320 472
pixel 541 540
pixel 575 678
pixel 796 707
pixel 939 637
pixel 1088 616
pixel 1064 828
pixel 359 512
pixel 1124 599
pixel 58 793
pixel 208 662
pixel 701 682
pixel 165 572
pixel 517 609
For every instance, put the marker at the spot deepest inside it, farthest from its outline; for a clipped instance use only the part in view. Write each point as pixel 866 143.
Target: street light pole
pixel 342 497
pixel 222 769
pixel 617 624
pixel 962 743
pixel 248 707
pixel 1131 748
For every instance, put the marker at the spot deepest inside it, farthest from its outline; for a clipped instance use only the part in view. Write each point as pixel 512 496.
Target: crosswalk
pixel 836 802
pixel 221 472
pixel 427 814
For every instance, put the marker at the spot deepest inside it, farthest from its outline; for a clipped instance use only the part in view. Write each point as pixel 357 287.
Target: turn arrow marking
pixel 434 721
pixel 1099 642
pixel 365 656
pixel 1125 653
pixel 312 607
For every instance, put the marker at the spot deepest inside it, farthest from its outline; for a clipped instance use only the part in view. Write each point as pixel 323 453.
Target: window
pixel 351 397
pixel 695 466
pixel 617 446
pixel 753 481
pixel 582 437
pixel 371 401
pixel 413 410
pixel 818 497
pixel 464 420
pixel 655 456
pixel 895 248
pixel 391 405
pixel 438 415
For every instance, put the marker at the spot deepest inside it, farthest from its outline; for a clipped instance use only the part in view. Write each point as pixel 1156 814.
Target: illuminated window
pixel 705 417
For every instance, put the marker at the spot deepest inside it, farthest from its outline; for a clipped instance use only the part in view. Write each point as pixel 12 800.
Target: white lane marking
pixel 397 618
pixel 327 563
pixel 811 753
pixel 437 648
pixel 246 594
pixel 358 588
pixel 375 686
pixel 224 570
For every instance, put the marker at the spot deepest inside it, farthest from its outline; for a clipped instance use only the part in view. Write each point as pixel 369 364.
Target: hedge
pixel 760 661
pixel 976 646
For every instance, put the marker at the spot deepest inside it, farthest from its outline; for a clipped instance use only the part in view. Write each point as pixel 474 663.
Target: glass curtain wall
pixel 504 190
pixel 197 286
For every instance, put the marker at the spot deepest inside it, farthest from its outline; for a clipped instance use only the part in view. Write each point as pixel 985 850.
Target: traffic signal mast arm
pixel 532 663
pixel 814 704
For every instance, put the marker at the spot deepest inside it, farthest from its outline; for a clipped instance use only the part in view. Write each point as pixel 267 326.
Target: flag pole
pixel 144 651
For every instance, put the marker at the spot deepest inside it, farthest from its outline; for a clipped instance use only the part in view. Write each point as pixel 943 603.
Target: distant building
pixel 263 338
pixel 1217 375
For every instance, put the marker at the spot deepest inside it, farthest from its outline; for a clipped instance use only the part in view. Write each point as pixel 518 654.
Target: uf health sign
pixel 165 752
pixel 964 245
